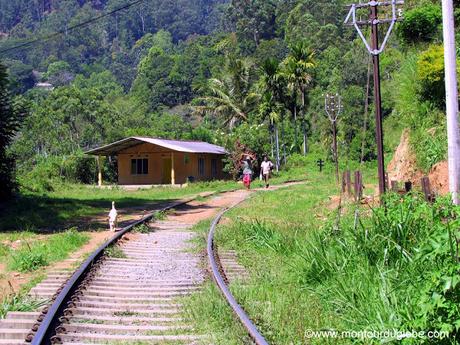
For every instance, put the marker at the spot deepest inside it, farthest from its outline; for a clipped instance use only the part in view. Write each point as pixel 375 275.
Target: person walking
pixel 266 169
pixel 247 172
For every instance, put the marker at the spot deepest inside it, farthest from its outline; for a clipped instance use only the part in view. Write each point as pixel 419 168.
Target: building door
pixel 167 165
pixel 214 168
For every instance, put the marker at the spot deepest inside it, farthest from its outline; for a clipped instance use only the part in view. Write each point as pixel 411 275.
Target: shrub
pixel 420 24
pixel 429 146
pixel 46 172
pixel 439 264
pixel 430 74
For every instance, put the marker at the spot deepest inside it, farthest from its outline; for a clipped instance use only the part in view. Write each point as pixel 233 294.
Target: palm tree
pixel 298 68
pixel 273 91
pixel 229 97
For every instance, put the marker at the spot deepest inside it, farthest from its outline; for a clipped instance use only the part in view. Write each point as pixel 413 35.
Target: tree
pixel 254 19
pixel 10 121
pixel 273 86
pixel 59 73
pixel 69 120
pixel 421 24
pixel 229 98
pixel 298 68
pixel 21 76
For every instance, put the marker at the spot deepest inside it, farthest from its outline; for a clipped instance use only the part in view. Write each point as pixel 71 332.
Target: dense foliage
pixel 194 69
pixel 10 120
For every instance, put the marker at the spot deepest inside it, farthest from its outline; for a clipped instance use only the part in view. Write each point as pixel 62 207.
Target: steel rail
pixel 47 328
pixel 243 317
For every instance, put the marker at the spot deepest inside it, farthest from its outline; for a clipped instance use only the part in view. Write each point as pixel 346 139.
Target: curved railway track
pixel 133 295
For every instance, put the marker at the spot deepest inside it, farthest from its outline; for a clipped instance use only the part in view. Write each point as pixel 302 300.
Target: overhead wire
pixel 69 29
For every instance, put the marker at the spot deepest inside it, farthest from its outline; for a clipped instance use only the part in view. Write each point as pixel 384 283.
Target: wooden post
pixel 348 176
pixel 426 187
pixel 408 186
pixel 173 172
pixel 99 171
pixel 358 186
pixel 344 182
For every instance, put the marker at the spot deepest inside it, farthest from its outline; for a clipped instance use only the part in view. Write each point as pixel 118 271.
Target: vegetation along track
pixel 130 289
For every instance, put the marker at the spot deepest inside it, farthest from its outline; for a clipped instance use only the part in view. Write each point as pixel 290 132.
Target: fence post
pixel 408 186
pixel 395 186
pixel 344 182
pixel 358 186
pixel 426 187
pixel 348 175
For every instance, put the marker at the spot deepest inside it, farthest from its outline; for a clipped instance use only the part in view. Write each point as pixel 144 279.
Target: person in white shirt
pixel 266 169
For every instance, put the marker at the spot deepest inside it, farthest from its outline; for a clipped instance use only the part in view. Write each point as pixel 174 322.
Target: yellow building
pixel 151 161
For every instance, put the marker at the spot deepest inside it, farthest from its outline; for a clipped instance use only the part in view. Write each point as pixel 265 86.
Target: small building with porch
pixel 152 161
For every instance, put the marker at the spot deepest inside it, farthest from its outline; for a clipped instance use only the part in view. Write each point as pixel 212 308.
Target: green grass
pixel 267 232
pixel 211 315
pixel 142 229
pixel 35 253
pixel 19 302
pixel 70 204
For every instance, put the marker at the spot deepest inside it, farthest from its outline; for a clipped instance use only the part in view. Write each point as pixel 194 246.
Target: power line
pixel 71 28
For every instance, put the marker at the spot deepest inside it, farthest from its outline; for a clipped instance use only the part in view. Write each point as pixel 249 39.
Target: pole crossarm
pixel 333 106
pixel 396 15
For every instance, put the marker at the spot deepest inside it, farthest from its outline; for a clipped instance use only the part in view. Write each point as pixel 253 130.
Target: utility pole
pixel 333 107
pixel 375 49
pixel 378 100
pixel 453 134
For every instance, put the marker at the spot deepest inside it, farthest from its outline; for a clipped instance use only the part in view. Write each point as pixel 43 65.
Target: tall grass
pixel 376 275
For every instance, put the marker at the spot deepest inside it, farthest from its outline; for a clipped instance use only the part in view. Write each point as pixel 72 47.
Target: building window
pixel 201 166
pixel 214 167
pixel 186 158
pixel 139 166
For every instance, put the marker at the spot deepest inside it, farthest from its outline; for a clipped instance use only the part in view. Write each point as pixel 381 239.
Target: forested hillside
pixel 199 69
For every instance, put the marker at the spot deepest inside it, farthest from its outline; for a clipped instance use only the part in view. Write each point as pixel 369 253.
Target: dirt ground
pixel 403 168
pixel 197 211
pixel 439 178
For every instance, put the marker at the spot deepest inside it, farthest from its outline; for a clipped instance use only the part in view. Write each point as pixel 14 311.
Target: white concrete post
pixel 99 171
pixel 451 99
pixel 173 172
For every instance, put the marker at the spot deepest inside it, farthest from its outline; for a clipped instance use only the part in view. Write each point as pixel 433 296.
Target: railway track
pixel 131 293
